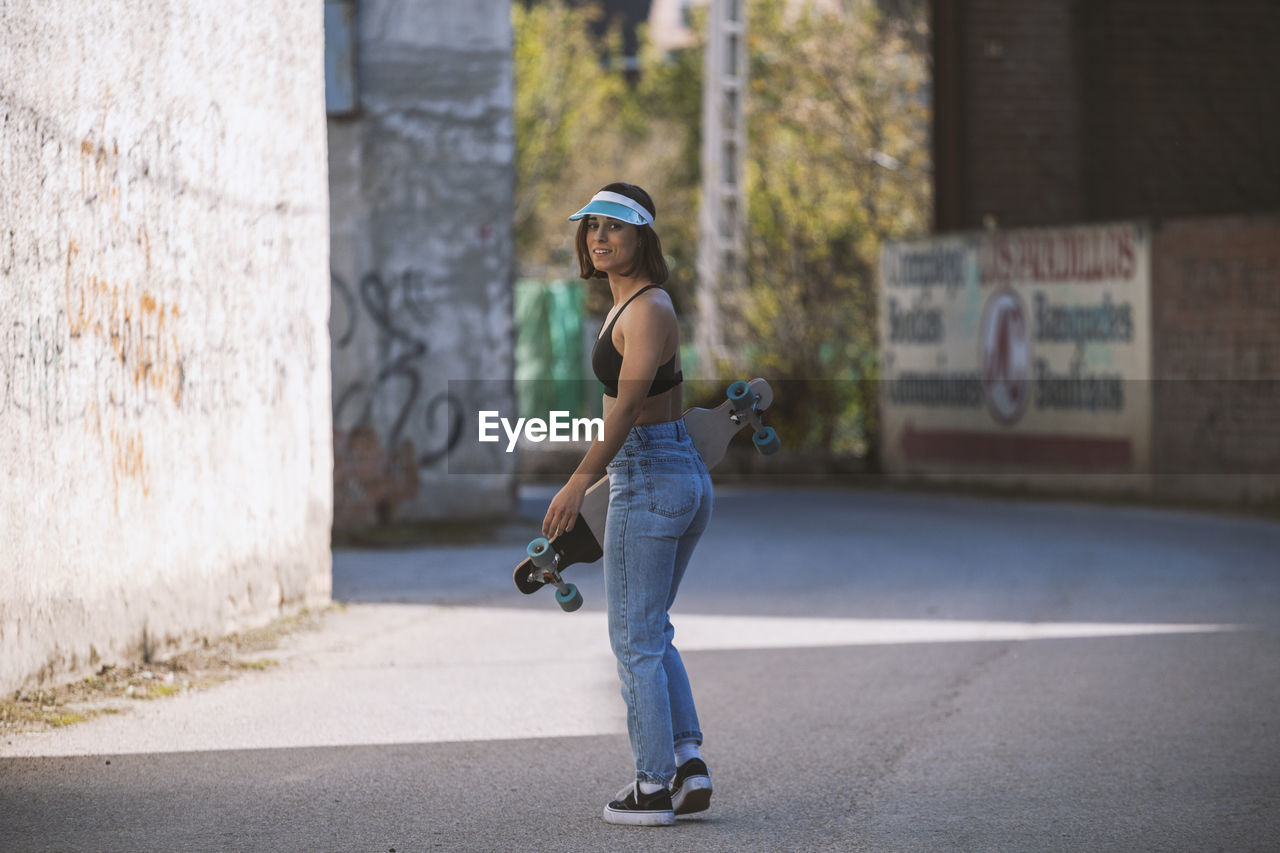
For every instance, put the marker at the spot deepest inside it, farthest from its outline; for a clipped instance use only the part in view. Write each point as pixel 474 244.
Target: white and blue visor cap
pixel 615 206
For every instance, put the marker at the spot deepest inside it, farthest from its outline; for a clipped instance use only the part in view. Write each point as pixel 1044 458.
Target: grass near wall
pixel 115 689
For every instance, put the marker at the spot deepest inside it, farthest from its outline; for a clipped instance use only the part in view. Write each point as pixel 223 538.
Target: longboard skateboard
pixel 710 430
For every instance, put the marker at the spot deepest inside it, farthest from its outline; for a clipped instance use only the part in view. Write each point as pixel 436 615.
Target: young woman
pixel 660 501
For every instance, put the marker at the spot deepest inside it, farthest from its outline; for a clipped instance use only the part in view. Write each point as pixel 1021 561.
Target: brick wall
pixel 1060 111
pixel 1183 106
pixel 1019 124
pixel 1216 338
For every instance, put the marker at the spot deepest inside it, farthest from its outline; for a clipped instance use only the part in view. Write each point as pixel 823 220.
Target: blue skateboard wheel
pixel 541 552
pixel 739 392
pixel 569 598
pixel 767 441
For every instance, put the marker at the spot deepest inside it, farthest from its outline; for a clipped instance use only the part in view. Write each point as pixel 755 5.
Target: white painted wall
pixel 165 444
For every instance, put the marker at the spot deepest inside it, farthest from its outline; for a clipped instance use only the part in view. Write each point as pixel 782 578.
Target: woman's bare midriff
pixel 667 406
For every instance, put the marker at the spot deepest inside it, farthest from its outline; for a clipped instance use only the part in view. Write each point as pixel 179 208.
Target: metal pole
pixel 720 255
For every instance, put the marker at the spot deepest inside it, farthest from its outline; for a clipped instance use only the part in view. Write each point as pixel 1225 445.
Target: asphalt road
pixel 874 671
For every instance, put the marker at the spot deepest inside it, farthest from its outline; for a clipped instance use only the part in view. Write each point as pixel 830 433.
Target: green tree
pixel 580 126
pixel 837 162
pixel 569 119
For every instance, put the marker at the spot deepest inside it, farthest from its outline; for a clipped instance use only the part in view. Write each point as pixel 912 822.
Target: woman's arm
pixel 644 330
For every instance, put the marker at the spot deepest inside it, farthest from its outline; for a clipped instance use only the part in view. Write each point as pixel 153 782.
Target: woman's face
pixel 612 243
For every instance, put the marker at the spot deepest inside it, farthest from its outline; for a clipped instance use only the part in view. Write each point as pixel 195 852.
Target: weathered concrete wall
pixel 422 186
pixel 165 441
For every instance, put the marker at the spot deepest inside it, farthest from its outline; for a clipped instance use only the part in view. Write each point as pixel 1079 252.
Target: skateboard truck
pixel 546 561
pixel 744 400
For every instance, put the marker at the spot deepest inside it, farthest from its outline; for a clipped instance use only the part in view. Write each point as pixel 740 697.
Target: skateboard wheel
pixel 739 393
pixel 569 598
pixel 541 552
pixel 767 441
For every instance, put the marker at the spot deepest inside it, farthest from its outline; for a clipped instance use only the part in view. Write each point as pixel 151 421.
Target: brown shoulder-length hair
pixel 649 260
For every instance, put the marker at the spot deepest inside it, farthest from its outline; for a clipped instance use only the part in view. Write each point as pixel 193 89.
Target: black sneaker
pixel 633 808
pixel 691 790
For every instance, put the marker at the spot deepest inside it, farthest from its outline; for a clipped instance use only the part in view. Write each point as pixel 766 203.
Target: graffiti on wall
pixel 388 424
pixel 100 330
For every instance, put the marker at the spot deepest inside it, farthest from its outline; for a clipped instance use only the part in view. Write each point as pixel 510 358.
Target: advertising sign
pixel 1021 351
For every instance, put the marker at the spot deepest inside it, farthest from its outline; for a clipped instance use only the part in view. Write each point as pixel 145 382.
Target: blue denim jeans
pixel 660 502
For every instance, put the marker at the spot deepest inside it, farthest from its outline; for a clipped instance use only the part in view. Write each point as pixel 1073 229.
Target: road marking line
pixel 395 674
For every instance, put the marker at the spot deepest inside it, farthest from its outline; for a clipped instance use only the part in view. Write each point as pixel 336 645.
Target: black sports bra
pixel 606 361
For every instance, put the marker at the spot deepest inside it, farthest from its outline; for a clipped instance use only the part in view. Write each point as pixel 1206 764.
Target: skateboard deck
pixel 710 430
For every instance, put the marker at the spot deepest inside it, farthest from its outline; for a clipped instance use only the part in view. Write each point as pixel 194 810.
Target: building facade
pixel 1101 306
pixel 165 439
pixel 1060 111
pixel 421 165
